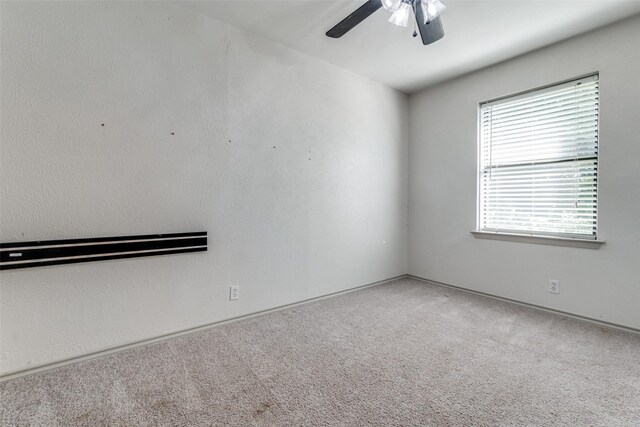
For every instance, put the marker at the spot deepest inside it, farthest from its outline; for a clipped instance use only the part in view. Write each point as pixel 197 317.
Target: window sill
pixel 539 240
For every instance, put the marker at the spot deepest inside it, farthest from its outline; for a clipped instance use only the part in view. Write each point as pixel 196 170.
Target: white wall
pixel 602 284
pixel 297 169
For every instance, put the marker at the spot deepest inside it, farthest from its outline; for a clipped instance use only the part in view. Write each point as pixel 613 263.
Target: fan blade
pixel 431 31
pixel 354 19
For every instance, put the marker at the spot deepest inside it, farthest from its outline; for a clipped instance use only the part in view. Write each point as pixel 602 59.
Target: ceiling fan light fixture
pixel 401 16
pixel 431 9
pixel 425 13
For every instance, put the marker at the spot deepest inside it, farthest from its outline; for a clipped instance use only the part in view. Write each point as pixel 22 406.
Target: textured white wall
pixel 602 284
pixel 296 168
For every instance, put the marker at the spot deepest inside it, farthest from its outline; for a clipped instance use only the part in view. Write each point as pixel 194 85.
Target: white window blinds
pixel 539 162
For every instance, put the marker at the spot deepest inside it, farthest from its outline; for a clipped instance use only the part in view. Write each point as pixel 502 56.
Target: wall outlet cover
pixel 554 286
pixel 234 292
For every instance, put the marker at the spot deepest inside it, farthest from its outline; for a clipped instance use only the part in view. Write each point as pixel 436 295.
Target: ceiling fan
pixel 427 13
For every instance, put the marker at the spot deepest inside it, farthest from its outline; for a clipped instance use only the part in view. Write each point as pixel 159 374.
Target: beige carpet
pixel 405 353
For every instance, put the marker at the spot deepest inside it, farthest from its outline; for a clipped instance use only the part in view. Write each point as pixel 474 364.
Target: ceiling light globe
pixel 401 16
pixel 431 9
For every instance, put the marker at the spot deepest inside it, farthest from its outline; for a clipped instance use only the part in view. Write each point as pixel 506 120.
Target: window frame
pixel 533 237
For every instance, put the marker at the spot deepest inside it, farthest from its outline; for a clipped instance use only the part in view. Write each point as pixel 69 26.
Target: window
pixel 538 158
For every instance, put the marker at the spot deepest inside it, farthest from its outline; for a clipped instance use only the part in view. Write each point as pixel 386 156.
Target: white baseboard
pixel 534 306
pixel 93 355
pixel 63 362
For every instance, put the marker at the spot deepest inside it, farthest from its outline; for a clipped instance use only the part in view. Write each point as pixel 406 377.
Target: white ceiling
pixel 478 33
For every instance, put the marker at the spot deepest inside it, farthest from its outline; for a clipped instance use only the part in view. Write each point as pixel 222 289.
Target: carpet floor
pixel 404 353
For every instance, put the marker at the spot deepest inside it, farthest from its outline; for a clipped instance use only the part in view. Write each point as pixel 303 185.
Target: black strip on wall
pixel 53 252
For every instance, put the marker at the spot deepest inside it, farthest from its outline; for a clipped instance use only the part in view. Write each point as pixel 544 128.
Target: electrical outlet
pixel 554 286
pixel 234 292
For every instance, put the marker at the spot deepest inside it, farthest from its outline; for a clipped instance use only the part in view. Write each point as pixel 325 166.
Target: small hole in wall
pixel 172 133
pixel 102 125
